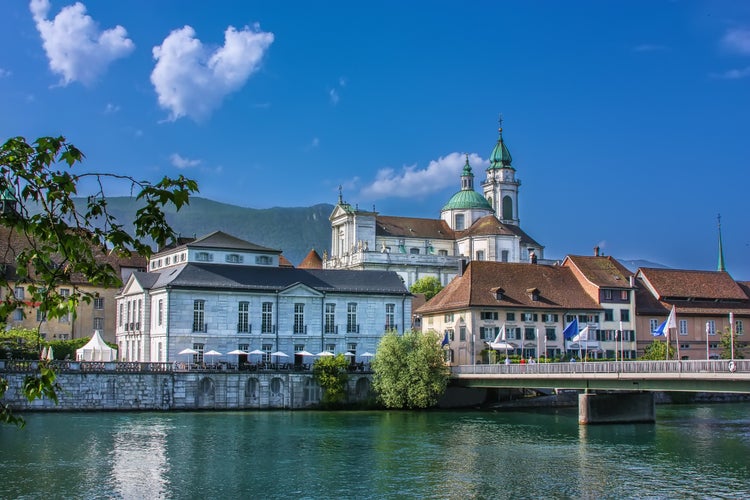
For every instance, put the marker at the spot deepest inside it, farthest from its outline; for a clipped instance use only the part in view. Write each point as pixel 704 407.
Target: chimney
pixel 596 251
pixel 631 278
pixel 461 266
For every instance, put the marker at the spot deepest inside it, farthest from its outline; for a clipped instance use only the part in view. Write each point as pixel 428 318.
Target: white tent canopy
pixel 96 350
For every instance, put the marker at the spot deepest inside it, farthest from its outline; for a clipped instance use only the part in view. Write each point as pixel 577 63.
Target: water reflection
pixel 689 452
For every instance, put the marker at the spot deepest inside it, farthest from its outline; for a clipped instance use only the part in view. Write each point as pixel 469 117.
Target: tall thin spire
pixel 721 266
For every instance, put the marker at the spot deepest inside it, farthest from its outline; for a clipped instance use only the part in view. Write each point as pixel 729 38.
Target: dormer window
pixel 533 293
pixel 263 260
pixel 234 258
pixel 204 257
pixel 499 293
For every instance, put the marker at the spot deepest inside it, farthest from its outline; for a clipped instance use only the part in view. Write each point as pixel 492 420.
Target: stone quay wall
pixel 104 386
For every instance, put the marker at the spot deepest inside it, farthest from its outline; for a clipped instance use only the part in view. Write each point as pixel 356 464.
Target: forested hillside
pixel 294 230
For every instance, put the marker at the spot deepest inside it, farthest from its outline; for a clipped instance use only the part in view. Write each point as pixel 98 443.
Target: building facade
pixel 706 304
pixel 221 293
pixel 528 305
pixel 471 227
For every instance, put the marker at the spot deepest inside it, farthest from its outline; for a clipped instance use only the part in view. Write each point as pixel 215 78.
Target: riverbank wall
pixel 180 390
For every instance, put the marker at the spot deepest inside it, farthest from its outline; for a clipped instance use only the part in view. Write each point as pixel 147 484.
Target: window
pixel 624 295
pixel 550 334
pixel 99 303
pixel 513 333
pixel 529 317
pixel 738 327
pixel 243 317
pixel 351 318
pixel 299 318
pixel 624 315
pixel 448 317
pixel 199 307
pixel 504 255
pixel 609 315
pixel 459 222
pixel 390 316
pixel 18 292
pixel 233 258
pixel 480 255
pixel 653 324
pixel 414 251
pixel 198 357
pixel 683 327
pixel 330 347
pixel 98 323
pixel 263 260
pixel 529 333
pixel 160 312
pixel 267 348
pixel 488 332
pixel 203 257
pixel 330 318
pixel 65 293
pixel 462 333
pixel 266 321
pixel 138 317
pixel 443 253
pixel 489 315
pixel 607 294
pixel 451 334
pixel 550 318
pixel 18 315
pixel 510 316
pixel 120 314
pixel 711 327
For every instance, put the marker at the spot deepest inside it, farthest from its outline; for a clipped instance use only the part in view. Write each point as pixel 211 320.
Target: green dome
pixel 467 199
pixel 500 157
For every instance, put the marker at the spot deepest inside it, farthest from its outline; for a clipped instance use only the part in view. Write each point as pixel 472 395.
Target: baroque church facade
pixel 472 226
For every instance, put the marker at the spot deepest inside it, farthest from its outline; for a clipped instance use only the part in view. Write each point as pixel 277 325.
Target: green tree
pixel 429 286
pixel 725 344
pixel 330 372
pixel 39 186
pixel 657 351
pixel 410 370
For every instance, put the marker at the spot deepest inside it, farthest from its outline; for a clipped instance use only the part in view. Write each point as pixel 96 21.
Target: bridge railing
pixel 634 367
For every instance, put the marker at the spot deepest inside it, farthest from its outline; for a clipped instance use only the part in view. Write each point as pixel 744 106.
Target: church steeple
pixel 467 177
pixel 720 266
pixel 501 186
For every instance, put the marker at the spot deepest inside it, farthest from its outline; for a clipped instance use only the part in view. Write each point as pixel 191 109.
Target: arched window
pixel 507 208
pixel 459 222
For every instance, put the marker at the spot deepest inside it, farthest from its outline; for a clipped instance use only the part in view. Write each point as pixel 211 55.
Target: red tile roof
pixel 557 286
pixel 490 225
pixel 600 270
pixel 412 227
pixel 697 285
pixel 311 261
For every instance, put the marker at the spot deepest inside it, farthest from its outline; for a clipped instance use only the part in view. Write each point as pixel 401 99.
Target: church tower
pixel 501 186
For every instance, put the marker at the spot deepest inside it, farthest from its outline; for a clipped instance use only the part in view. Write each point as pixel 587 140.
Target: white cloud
pixel 733 74
pixel 334 95
pixel 111 108
pixel 413 182
pixel 76 48
pixel 192 81
pixel 181 162
pixel 737 40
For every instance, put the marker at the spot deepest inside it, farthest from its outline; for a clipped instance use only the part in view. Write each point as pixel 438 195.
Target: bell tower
pixel 501 185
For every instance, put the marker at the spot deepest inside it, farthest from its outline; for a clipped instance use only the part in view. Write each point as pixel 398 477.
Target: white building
pixel 222 293
pixel 471 226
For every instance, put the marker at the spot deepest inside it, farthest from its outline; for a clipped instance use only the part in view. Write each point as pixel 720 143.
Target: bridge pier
pixel 616 408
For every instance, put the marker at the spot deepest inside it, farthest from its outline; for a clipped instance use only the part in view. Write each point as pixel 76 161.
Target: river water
pixel 697 451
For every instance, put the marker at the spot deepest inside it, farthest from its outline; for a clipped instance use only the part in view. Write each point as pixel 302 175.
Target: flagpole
pixel 707 329
pixel 731 333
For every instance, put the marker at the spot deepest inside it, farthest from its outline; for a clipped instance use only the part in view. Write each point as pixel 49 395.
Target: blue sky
pixel 627 120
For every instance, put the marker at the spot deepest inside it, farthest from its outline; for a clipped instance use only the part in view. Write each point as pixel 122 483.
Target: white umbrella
pixel 303 353
pixel 50 355
pixel 325 353
pixel 236 352
pixel 212 353
pixel 279 354
pixel 366 355
pixel 188 351
pixel 349 354
pixel 257 351
pixel 44 353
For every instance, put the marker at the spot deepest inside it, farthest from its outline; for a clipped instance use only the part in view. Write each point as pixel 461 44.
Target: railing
pixel 61 366
pixel 599 367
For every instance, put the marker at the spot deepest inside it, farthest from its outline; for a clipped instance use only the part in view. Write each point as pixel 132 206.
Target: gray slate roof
pixel 251 278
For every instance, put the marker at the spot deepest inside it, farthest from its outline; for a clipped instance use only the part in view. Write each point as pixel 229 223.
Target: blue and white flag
pixel 583 335
pixel 660 330
pixel 663 328
pixel 571 330
pixel 446 340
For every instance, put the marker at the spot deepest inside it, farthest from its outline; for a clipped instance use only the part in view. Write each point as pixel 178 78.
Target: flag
pixel 660 329
pixel 571 329
pixel 446 340
pixel 500 336
pixel 582 335
pixel 663 328
pixel 671 321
